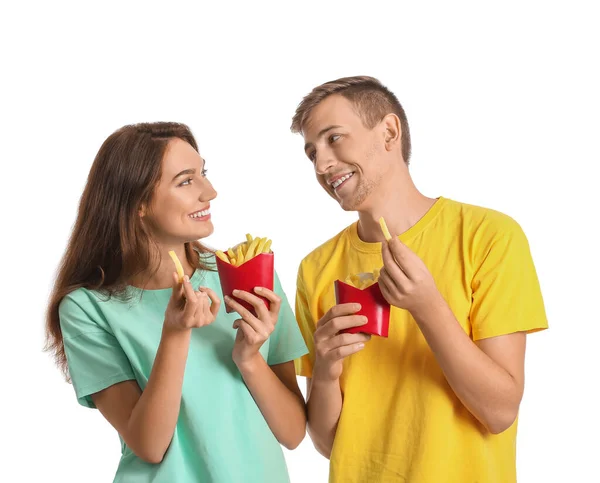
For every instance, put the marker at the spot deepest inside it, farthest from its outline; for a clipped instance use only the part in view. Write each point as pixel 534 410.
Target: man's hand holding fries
pixel 404 279
pixel 331 346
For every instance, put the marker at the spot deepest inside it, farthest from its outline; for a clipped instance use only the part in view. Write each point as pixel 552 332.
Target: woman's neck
pixel 159 275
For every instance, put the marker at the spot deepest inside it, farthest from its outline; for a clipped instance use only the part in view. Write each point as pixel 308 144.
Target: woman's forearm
pixel 154 417
pixel 283 410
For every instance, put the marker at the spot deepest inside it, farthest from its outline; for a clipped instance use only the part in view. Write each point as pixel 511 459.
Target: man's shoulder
pixel 481 219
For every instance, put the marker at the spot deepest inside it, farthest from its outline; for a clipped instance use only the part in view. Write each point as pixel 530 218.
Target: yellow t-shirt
pixel 400 420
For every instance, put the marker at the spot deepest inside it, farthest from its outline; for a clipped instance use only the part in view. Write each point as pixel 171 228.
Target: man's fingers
pixel 385 284
pixel 345 351
pixel 327 331
pixel 342 340
pixel 395 271
pixel 403 255
pixel 338 311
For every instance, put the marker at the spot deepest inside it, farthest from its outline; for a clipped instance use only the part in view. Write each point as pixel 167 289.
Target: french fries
pixel 245 251
pixel 363 280
pixel 178 266
pixel 384 229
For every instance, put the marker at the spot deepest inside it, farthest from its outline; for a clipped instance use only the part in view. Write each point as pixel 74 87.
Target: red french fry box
pixel 256 272
pixel 373 306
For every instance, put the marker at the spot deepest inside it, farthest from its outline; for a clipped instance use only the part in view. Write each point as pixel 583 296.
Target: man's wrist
pixel 325 382
pixel 430 312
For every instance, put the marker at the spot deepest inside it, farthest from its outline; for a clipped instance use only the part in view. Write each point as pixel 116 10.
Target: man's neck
pixel 401 208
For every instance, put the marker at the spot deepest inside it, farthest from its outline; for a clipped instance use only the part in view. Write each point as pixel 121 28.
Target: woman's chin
pixel 206 230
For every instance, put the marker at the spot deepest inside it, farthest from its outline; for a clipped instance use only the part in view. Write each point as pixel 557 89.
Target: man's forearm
pixel 324 408
pixel 486 389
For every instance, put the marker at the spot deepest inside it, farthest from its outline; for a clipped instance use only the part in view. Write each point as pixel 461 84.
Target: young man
pixel 436 401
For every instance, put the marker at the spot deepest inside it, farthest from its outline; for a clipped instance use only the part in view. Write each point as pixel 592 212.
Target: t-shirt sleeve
pixel 304 364
pixel 506 291
pixel 286 342
pixel 94 357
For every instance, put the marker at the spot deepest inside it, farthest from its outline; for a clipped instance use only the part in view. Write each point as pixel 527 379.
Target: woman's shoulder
pixel 93 305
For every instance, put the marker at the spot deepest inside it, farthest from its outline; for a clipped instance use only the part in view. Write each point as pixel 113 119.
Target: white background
pixel 503 104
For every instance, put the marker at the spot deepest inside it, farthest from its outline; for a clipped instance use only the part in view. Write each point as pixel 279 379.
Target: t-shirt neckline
pixel 418 227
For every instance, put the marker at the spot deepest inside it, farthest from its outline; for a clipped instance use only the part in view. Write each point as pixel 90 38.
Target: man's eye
pixel 204 171
pixel 312 156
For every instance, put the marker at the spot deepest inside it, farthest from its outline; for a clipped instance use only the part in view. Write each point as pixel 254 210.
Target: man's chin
pixel 349 205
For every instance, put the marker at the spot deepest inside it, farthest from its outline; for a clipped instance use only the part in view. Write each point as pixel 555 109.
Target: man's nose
pixel 324 160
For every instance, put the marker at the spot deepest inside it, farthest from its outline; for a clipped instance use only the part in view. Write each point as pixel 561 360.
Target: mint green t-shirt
pixel 221 435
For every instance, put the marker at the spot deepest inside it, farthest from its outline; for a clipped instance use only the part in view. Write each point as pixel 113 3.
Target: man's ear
pixel 392 131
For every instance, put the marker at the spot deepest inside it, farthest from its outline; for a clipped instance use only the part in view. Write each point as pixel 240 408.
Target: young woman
pixel 196 394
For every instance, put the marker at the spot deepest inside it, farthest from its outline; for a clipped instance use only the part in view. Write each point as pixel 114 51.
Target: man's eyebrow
pixel 321 132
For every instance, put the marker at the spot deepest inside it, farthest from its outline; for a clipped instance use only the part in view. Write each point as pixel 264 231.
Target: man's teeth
pixel 199 214
pixel 339 181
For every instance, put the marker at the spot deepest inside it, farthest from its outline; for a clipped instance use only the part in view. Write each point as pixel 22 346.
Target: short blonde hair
pixel 371 99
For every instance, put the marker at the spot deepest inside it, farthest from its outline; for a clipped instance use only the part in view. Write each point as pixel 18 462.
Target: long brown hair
pixel 109 244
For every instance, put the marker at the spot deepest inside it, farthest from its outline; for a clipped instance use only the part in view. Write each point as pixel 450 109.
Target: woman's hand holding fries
pixel 189 309
pixel 253 331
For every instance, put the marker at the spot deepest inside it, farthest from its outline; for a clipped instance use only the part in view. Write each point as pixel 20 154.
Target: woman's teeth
pixel 199 214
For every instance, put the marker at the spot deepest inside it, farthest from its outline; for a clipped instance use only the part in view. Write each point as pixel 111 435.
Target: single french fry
pixel 384 229
pixel 267 247
pixel 252 249
pixel 248 238
pixel 230 253
pixel 222 256
pixel 261 245
pixel 178 266
pixel 239 256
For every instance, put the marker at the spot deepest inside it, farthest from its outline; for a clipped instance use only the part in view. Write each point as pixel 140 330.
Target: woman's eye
pixel 334 137
pixel 186 182
pixel 204 171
